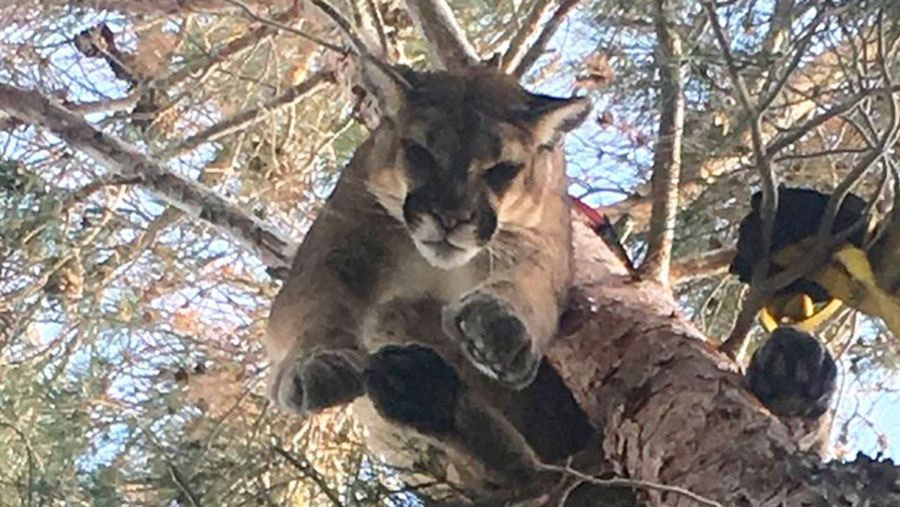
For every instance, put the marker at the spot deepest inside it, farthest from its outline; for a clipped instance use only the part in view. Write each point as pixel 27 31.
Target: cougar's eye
pixel 419 160
pixel 499 176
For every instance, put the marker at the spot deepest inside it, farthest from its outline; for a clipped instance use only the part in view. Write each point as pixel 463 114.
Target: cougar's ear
pixel 389 84
pixel 551 117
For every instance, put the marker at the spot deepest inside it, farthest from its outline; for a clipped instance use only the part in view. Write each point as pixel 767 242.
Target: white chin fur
pixel 445 257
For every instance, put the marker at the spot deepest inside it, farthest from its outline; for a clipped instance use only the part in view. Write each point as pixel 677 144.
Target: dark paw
pixel 792 374
pixel 413 385
pixel 326 379
pixel 493 338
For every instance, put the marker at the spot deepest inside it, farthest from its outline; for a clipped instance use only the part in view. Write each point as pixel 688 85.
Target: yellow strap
pixel 770 319
pixel 848 277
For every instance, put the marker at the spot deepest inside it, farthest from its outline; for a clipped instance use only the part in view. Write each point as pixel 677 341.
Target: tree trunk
pixel 673 411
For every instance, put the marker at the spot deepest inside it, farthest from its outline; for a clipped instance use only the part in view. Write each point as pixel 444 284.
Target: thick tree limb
pixel 673 410
pixel 667 155
pixel 191 198
pixel 447 42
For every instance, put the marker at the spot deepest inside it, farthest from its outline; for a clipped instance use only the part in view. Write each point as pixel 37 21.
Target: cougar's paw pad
pixel 413 385
pixel 327 379
pixel 494 339
pixel 792 374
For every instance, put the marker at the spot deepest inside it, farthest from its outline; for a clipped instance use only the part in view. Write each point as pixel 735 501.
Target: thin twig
pixel 252 116
pixel 179 481
pixel 360 48
pixel 287 28
pixel 379 27
pixel 344 25
pixel 800 51
pixel 769 204
pixel 888 138
pixel 620 482
pixel 309 472
pixel 848 105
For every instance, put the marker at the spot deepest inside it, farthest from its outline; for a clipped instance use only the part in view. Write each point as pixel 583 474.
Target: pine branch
pixel 244 119
pixel 193 199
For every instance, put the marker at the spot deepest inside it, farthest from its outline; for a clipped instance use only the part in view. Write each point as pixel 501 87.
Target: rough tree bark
pixel 672 410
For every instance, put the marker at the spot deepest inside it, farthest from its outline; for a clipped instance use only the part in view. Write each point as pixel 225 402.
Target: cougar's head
pixel 466 155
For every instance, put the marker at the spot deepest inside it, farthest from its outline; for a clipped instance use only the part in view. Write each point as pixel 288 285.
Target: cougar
pixel 435 274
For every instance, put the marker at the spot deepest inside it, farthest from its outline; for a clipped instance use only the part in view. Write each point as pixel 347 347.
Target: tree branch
pixel 540 45
pixel 630 483
pixel 447 42
pixel 232 48
pixel 769 203
pixel 309 472
pixel 667 156
pixel 193 199
pixel 244 119
pixel 711 263
pixel 518 45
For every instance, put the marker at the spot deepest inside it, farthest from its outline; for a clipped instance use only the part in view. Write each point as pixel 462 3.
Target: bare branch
pixel 447 42
pixel 532 23
pixel 308 471
pixel 737 341
pixel 799 53
pixel 277 23
pixel 711 263
pixel 795 134
pixel 630 483
pixel 244 119
pixel 234 47
pixel 179 480
pixel 763 163
pixel 540 45
pixel 360 46
pixel 125 103
pixel 193 199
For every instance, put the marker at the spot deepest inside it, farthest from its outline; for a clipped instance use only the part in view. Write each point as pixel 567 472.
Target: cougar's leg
pixel 504 325
pixel 313 330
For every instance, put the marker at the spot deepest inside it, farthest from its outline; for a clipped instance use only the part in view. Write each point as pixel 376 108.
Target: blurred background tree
pixel 131 366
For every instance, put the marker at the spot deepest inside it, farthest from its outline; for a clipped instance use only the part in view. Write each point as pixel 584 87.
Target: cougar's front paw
pixel 792 374
pixel 413 385
pixel 494 339
pixel 325 379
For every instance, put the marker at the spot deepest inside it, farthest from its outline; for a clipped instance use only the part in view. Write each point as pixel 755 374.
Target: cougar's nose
pixel 449 219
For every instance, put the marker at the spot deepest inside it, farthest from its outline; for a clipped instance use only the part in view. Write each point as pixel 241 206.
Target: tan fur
pixel 364 278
